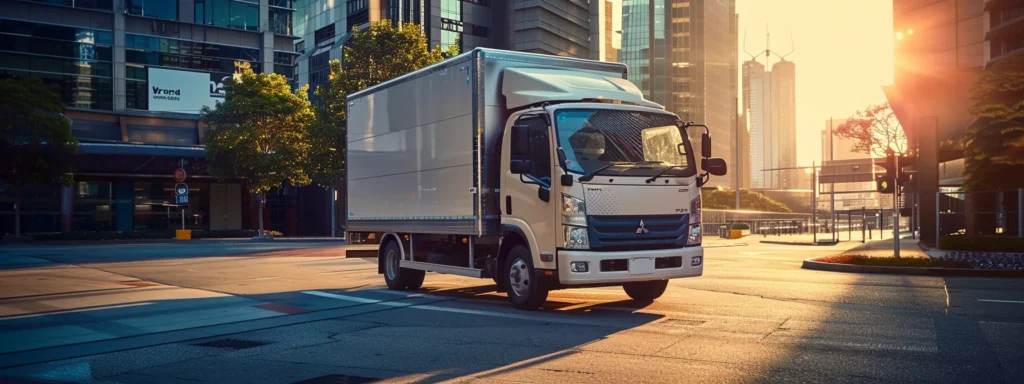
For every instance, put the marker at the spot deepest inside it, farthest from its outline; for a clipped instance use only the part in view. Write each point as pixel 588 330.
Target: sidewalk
pixel 883 248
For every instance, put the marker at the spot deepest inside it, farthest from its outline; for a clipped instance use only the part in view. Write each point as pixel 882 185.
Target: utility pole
pixel 737 171
pixel 896 211
pixel 814 200
pixel 832 186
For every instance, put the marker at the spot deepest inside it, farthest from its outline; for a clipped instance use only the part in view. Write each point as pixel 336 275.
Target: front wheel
pixel 524 290
pixel 646 291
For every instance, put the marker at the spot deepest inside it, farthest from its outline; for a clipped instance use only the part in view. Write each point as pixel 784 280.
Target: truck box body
pixel 422 148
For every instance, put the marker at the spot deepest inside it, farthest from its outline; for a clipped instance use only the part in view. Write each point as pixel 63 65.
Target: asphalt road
pixel 259 312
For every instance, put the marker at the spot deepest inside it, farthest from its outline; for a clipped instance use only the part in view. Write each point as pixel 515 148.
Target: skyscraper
pixel 769 98
pixel 784 115
pixel 754 101
pixel 681 54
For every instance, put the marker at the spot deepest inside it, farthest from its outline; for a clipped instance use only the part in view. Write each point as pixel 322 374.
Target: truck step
pixel 439 268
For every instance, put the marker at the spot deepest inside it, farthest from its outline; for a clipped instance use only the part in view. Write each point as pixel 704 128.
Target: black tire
pixel 397 278
pixel 646 291
pixel 523 289
pixel 415 278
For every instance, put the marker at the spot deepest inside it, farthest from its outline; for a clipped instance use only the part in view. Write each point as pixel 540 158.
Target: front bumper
pixel 595 274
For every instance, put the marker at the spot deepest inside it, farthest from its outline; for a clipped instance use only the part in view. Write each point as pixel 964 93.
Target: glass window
pixel 54 65
pixel 540 147
pixel 155 209
pixel 200 12
pixel 281 22
pixel 244 16
pixel 40 207
pixel 161 9
pixel 93 206
pixel 90 4
pixel 595 138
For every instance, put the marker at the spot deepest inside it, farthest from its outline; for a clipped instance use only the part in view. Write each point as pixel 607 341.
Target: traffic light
pixel 894 174
pixel 884 184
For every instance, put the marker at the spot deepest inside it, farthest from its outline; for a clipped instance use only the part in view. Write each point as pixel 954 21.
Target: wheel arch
pixel 384 240
pixel 512 235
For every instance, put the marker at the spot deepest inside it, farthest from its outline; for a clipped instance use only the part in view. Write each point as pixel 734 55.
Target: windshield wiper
pixel 590 176
pixel 669 168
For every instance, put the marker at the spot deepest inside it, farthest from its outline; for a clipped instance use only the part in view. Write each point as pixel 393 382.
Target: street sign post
pixel 181 197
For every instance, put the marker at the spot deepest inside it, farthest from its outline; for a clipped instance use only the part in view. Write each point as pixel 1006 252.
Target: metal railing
pixel 980 213
pixel 759 222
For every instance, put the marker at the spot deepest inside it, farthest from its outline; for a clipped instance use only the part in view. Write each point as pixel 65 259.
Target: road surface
pixel 301 312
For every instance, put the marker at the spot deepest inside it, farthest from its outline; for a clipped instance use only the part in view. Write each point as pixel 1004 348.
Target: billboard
pixel 184 91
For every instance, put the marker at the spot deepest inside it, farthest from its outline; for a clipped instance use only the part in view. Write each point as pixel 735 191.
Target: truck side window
pixel 540 149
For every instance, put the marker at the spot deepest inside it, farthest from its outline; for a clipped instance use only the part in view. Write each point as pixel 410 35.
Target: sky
pixel 842 50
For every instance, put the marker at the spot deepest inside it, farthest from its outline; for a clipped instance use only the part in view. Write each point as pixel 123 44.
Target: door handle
pixel 508 204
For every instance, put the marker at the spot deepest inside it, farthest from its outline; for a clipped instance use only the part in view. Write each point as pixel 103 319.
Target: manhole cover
pixel 683 322
pixel 232 344
pixel 336 379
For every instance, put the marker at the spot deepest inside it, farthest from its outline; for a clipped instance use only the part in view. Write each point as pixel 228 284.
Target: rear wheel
pixel 645 290
pixel 398 278
pixel 524 291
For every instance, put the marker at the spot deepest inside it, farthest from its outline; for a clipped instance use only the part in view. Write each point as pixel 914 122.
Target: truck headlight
pixel 694 237
pixel 695 211
pixel 576 237
pixel 574 211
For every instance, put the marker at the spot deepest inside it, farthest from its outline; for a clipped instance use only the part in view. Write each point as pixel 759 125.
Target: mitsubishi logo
pixel 640 230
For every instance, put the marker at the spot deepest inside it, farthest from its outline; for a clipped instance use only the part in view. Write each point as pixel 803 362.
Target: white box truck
pixel 539 172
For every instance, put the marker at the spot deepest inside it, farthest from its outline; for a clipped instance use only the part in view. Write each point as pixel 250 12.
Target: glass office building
pixel 105 62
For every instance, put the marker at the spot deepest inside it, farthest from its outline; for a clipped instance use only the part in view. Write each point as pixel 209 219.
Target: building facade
pixel 784 122
pixel 134 75
pixel 682 55
pixel 939 50
pixel 769 98
pixel 754 103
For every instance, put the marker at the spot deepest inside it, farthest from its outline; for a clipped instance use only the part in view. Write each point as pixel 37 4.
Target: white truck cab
pixel 538 172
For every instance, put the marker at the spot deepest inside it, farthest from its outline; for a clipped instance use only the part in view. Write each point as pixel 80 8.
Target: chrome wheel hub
pixel 519 277
pixel 392 264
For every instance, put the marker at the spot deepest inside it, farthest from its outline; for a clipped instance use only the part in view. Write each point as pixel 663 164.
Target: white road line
pixel 462 311
pixel 262 278
pixel 1002 301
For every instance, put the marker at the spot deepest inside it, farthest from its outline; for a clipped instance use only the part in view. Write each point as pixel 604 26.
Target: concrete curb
pixel 818 244
pixel 958 272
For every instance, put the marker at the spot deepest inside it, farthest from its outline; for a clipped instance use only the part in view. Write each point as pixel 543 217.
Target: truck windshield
pixel 633 142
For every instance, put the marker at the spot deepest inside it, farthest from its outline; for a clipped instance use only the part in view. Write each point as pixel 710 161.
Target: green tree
pixel 260 132
pixel 994 144
pixel 380 53
pixel 36 144
pixel 749 200
pixel 874 130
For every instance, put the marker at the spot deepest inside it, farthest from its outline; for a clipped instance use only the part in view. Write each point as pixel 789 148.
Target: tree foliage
pixel 380 53
pixel 749 200
pixel 874 130
pixel 994 144
pixel 36 143
pixel 260 132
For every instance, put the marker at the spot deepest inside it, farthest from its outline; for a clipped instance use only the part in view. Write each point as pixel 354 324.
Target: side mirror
pixel 520 145
pixel 567 180
pixel 544 194
pixel 520 167
pixel 705 145
pixel 715 166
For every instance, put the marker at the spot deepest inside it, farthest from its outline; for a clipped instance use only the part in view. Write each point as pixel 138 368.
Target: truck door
pixel 527 198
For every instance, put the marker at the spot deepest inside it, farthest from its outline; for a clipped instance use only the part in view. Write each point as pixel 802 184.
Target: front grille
pixel 619 233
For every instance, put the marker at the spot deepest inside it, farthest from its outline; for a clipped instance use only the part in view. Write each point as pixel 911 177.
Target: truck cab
pixel 598 193
pixel 575 179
